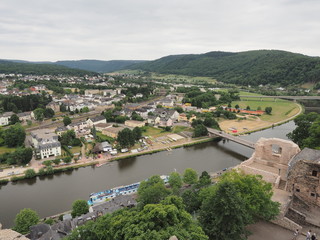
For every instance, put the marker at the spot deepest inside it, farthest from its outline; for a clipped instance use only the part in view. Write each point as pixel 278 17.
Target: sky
pixel 51 30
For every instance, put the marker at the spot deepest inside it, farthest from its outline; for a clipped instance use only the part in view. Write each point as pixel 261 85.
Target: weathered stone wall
pixel 287 223
pixel 296 216
pixel 276 162
pixel 301 182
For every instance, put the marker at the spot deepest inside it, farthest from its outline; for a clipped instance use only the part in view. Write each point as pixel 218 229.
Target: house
pixel 133 123
pixel 23 117
pixel 102 147
pixel 165 122
pixel 60 130
pixel 170 113
pixel 303 176
pixel 100 126
pixel 112 131
pixel 54 106
pixel 183 118
pixel 96 120
pixel 5 118
pixel 46 143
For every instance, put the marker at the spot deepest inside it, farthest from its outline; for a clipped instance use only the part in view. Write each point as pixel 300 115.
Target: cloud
pixel 148 29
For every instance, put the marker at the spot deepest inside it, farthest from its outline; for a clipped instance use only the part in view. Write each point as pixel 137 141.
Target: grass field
pixel 4 149
pixel 281 109
pixel 249 93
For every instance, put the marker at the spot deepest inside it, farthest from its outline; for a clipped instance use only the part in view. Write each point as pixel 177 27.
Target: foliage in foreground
pixel 24 220
pixel 154 221
pixel 307 132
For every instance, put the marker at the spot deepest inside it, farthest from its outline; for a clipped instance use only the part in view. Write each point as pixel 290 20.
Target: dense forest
pixel 245 68
pixel 24 103
pixel 97 65
pixel 39 69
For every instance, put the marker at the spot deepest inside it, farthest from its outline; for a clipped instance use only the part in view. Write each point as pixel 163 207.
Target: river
pixel 51 195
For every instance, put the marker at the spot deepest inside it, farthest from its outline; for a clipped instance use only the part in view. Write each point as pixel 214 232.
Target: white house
pixel 96 120
pixel 5 118
pixel 46 143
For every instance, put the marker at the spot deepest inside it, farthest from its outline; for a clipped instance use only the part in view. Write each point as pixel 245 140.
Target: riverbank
pixel 5 178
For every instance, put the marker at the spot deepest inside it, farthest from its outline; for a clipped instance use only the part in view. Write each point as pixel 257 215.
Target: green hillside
pixel 39 69
pixel 251 67
pixel 97 65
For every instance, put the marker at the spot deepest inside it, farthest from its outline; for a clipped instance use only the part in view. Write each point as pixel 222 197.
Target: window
pixel 312 194
pixel 276 149
pixel 314 173
pixel 297 190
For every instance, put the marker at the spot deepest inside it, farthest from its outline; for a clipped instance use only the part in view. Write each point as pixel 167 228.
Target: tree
pixel 25 219
pixel 152 190
pixel 268 110
pixel 48 113
pixel 190 176
pixel 50 170
pixel 14 136
pixel 85 109
pixel 30 173
pixel 39 114
pixel 211 122
pixel 67 138
pixel 236 106
pixel 204 180
pixel 175 181
pixel 191 200
pixel 56 161
pixel 303 123
pixel 126 138
pixel 137 133
pixel 66 120
pixel 153 221
pixel 256 192
pixel 200 130
pixel 94 132
pixel 223 214
pixel 248 107
pixel 47 163
pixel 79 207
pixel 179 109
pixel 67 160
pixel 14 119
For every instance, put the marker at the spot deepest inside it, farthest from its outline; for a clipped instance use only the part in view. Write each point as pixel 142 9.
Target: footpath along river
pixel 54 194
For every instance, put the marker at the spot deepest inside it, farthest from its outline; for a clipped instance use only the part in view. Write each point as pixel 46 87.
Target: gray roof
pixel 61 129
pixel 49 145
pixel 7 114
pixel 306 154
pixel 98 118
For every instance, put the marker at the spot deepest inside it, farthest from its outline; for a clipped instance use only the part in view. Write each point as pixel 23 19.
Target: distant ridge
pixel 22 67
pixel 245 68
pixel 99 65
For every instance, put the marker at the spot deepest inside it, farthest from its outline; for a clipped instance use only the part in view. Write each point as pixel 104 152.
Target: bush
pixel 30 173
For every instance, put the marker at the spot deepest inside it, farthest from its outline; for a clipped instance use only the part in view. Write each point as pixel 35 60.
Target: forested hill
pixel 39 69
pixel 98 66
pixel 251 67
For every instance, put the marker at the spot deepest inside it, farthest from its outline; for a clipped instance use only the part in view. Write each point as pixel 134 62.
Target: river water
pixel 51 195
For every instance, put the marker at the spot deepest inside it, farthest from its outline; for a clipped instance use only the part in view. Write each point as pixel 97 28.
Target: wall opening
pixel 314 173
pixel 276 149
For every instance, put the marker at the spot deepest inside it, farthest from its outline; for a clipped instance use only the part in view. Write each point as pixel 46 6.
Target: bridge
pixel 232 138
pixel 283 97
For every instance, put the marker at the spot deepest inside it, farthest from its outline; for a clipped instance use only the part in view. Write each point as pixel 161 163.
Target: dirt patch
pixel 242 126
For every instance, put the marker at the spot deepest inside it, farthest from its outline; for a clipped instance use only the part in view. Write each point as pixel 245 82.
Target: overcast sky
pixel 50 30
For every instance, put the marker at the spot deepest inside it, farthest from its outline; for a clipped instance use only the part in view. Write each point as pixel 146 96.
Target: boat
pixel 109 194
pixel 100 164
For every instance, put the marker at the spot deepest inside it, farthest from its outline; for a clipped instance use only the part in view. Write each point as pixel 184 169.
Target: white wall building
pixel 46 143
pixel 5 118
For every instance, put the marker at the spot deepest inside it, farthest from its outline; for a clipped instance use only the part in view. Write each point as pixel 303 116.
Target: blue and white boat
pixel 108 194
